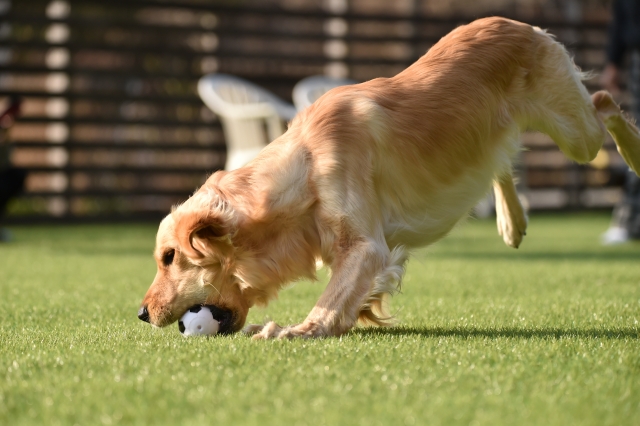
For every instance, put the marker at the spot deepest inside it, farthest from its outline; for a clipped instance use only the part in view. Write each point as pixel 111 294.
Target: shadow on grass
pixel 505 332
pixel 547 256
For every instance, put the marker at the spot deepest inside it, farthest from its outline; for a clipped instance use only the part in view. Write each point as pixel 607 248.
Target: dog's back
pixel 439 131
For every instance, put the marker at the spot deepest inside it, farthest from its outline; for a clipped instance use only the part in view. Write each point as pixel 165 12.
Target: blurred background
pixel 112 127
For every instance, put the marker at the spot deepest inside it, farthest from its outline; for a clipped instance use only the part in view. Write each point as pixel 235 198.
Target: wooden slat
pixel 168 72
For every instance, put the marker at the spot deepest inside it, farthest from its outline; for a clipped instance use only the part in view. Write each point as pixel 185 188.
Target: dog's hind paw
pixel 510 214
pixel 512 229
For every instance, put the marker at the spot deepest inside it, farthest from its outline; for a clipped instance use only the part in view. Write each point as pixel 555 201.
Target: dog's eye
pixel 167 259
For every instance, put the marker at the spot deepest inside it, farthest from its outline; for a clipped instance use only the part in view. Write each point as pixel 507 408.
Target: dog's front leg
pixel 337 310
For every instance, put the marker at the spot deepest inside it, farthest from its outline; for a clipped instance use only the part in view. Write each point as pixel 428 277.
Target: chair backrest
pixel 234 97
pixel 245 111
pixel 309 89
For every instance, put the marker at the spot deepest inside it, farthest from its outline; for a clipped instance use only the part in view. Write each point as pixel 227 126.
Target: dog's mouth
pixel 225 318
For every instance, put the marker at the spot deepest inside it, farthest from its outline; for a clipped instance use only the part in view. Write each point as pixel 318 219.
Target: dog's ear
pixel 202 220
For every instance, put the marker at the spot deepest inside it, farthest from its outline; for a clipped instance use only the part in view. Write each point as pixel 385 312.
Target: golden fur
pixel 374 169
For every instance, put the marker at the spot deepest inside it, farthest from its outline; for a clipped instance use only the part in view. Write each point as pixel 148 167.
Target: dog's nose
pixel 143 314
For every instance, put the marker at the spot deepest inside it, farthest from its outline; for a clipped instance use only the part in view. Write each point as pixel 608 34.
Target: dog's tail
pixel 387 283
pixel 624 133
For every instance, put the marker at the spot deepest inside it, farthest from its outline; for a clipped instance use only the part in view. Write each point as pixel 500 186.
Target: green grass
pixel 487 335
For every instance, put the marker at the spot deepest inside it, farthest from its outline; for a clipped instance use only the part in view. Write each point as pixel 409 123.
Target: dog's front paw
pixel 271 330
pixel 306 330
pixel 252 329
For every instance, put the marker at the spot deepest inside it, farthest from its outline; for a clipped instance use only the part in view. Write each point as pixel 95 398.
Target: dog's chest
pixel 421 201
pixel 418 215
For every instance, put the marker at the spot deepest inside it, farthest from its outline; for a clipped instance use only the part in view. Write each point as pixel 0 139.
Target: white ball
pixel 198 321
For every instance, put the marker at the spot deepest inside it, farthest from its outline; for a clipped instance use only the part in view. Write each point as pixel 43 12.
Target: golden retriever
pixel 372 170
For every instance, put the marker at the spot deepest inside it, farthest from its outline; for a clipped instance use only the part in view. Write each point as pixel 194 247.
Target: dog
pixel 372 170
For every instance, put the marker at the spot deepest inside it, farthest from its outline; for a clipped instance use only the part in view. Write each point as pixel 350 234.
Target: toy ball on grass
pixel 198 321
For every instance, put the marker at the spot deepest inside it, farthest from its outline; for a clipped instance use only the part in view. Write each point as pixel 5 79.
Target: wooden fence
pixel 112 127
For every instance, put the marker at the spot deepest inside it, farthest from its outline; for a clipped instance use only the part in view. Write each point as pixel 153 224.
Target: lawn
pixel 487 335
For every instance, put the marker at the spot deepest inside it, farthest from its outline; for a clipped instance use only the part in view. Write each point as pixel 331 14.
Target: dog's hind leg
pixel 623 132
pixel 559 105
pixel 511 219
pixel 580 132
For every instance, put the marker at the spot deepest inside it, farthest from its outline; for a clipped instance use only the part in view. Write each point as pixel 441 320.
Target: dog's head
pixel 195 259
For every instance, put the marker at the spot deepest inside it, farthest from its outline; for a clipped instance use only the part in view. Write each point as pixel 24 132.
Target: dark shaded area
pixel 115 129
pixel 505 332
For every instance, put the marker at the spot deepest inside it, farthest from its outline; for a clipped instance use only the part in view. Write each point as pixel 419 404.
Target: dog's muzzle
pixel 143 314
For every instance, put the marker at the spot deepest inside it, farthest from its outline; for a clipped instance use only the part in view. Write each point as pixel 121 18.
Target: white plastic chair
pixel 245 111
pixel 309 89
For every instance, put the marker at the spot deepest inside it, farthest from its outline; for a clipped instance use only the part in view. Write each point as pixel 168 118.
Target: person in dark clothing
pixel 11 178
pixel 624 39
